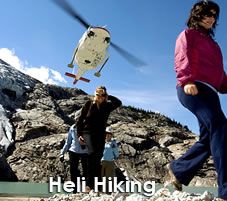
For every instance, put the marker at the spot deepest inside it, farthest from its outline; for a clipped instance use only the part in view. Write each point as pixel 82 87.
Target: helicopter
pixel 92 48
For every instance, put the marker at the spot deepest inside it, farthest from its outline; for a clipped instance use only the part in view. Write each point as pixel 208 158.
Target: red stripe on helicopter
pixel 74 76
pixel 101 28
pixel 75 81
pixel 84 79
pixel 70 75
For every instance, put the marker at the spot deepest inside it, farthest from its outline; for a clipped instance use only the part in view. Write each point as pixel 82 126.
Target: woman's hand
pixel 81 140
pixel 191 89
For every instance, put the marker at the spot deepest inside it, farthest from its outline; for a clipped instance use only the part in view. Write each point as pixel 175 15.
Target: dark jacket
pixel 93 120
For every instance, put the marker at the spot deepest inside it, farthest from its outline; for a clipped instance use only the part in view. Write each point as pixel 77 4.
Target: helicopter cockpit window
pixel 90 34
pixel 107 40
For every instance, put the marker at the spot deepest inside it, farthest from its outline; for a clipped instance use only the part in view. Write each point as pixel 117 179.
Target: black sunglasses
pixel 100 95
pixel 210 14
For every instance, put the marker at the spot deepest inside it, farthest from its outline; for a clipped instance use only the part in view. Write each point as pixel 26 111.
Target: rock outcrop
pixel 35 119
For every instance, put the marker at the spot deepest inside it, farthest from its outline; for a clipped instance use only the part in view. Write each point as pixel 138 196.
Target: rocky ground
pixel 35 119
pixel 161 195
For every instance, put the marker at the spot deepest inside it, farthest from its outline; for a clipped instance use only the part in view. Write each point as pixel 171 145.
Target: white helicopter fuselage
pixel 91 49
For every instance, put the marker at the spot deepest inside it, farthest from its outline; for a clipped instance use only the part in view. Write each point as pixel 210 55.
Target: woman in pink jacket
pixel 200 76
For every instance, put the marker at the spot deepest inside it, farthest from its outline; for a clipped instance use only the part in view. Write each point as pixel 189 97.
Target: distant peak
pixel 3 62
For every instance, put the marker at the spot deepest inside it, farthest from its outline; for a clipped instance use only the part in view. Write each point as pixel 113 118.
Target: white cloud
pixel 43 74
pixel 57 76
pixel 9 57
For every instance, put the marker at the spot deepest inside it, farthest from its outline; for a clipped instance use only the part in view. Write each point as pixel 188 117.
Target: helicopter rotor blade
pixel 128 56
pixel 65 6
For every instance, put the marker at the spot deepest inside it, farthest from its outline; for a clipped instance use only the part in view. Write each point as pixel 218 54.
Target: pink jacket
pixel 198 57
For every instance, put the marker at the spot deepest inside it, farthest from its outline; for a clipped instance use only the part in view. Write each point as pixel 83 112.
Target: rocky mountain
pixel 35 119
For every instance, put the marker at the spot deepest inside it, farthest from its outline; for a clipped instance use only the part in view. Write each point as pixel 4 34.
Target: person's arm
pixel 223 89
pixel 68 143
pixel 183 58
pixel 81 118
pixel 115 150
pixel 113 102
pixel 183 62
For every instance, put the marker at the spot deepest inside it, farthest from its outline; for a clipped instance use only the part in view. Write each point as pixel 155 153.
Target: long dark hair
pixel 197 14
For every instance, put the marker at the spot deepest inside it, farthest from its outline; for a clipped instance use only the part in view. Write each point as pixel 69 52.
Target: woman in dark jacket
pixel 91 127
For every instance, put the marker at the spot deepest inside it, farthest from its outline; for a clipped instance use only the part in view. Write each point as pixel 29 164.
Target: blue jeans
pixel 213 138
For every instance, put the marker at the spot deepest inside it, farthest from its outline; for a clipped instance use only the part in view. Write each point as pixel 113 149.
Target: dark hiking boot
pixel 173 180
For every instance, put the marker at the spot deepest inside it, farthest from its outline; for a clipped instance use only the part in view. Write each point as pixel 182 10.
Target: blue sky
pixel 39 38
